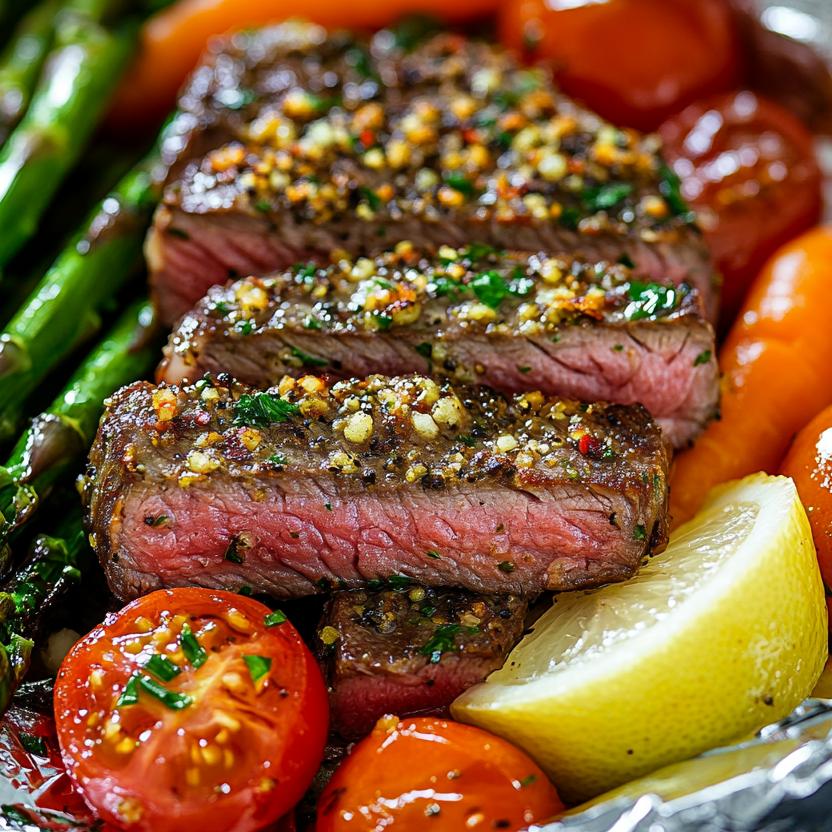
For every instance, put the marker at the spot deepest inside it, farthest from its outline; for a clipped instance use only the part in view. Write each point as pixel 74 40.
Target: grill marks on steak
pixel 318 486
pixel 509 321
pixel 410 650
pixel 341 145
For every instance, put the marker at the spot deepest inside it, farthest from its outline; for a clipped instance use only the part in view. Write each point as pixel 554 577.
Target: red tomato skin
pixel 749 168
pixel 428 773
pixel 635 62
pixel 243 810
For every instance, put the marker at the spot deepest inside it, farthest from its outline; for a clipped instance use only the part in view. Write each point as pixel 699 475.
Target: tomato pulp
pixel 191 709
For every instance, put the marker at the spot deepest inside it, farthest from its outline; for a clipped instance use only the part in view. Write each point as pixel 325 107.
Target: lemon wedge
pixel 723 632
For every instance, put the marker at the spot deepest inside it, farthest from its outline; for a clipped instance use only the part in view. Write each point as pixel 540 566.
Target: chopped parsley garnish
pixel 570 217
pixel 524 370
pixel 262 410
pixel 460 183
pixel 506 566
pixel 258 667
pixel 626 260
pixel 193 650
pixel 490 288
pixel 467 440
pixel 33 744
pixel 478 251
pixel 604 197
pixel 276 459
pixel 670 187
pixel 162 668
pixel 305 271
pixel 155 522
pixel 263 206
pixel 618 347
pixel 308 360
pixel 650 299
pixel 639 533
pixel 221 307
pixel 444 286
pixel 442 641
pixel 139 681
pixel 244 327
pixel 703 358
pixel 311 322
pixel 425 350
pixel 432 553
pixel 528 780
pixel 399 582
pixel 373 199
pixel 328 506
pixel 232 553
pixel 274 618
pixel 384 321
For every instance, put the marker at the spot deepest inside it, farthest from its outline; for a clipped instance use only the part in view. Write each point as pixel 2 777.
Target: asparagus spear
pixel 65 305
pixel 52 568
pixel 58 437
pixel 21 63
pixel 81 73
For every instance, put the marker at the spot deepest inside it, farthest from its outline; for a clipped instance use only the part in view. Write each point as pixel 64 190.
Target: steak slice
pixel 411 649
pixel 512 322
pixel 337 144
pixel 310 487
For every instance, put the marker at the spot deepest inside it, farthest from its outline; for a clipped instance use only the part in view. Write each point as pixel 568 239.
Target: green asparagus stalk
pixel 81 72
pixel 21 63
pixel 54 565
pixel 59 437
pixel 65 306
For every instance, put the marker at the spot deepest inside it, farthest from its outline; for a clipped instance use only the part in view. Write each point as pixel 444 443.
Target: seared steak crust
pixel 509 321
pixel 307 487
pixel 339 144
pixel 411 649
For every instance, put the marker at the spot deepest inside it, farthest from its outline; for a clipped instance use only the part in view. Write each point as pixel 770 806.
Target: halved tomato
pixel 427 773
pixel 191 709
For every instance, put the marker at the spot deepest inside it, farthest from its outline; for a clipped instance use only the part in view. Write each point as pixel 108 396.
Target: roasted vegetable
pixel 777 373
pixel 58 437
pixel 21 63
pixel 65 307
pixel 81 71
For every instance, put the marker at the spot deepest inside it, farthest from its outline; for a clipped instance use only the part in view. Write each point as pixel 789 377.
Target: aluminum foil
pixel 780 781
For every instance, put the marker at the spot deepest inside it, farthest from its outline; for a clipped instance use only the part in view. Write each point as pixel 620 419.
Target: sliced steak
pixel 411 649
pixel 334 144
pixel 310 487
pixel 564 327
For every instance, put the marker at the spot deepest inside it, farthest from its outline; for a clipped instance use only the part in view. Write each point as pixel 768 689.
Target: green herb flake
pixel 524 370
pixel 328 506
pixel 311 322
pixel 639 533
pixel 670 187
pixel 618 348
pixel 156 522
pixel 221 307
pixel 263 206
pixel 372 198
pixel 33 744
pixel 275 618
pixel 445 287
pixel 162 668
pixel 425 350
pixel 506 566
pixel 460 183
pixel 244 327
pixel 262 410
pixel 604 197
pixel 569 218
pixel 258 667
pixel 139 681
pixel 399 582
pixel 490 288
pixel 528 780
pixel 384 321
pixel 442 641
pixel 703 358
pixel 276 460
pixel 232 554
pixel 432 553
pixel 191 647
pixel 308 360
pixel 649 300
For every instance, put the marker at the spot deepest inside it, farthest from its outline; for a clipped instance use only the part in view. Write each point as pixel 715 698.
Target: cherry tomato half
pixel 635 62
pixel 748 166
pixel 425 773
pixel 191 709
pixel 809 464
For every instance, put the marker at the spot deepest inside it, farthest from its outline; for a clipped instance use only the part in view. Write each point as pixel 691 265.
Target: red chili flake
pixel 589 445
pixel 471 135
pixel 368 138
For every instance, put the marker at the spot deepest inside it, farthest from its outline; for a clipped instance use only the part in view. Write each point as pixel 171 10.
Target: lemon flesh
pixel 720 634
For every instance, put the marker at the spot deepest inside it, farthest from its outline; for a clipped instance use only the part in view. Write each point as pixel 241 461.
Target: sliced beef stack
pixel 296 490
pixel 408 648
pixel 512 322
pixel 322 143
